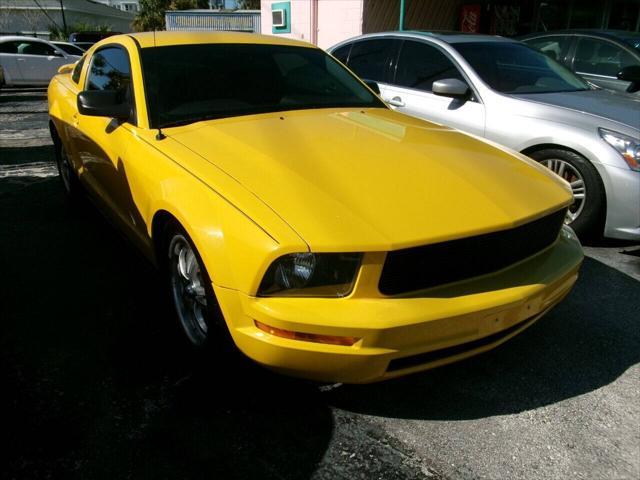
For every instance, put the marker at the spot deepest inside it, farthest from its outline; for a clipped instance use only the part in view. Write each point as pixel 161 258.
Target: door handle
pixel 396 102
pixel 20 59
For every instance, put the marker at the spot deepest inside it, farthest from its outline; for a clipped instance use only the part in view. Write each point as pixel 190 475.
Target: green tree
pixel 151 15
pixel 248 4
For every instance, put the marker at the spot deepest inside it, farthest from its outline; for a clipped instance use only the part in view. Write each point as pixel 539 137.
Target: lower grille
pixel 428 357
pixel 418 268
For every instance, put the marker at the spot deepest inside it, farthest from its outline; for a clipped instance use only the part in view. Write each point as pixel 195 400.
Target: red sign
pixel 470 18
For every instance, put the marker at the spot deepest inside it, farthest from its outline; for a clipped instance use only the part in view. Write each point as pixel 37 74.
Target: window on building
pixel 370 59
pixel 420 65
pixel 600 57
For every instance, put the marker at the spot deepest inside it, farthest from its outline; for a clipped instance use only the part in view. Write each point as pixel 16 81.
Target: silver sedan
pixel 508 93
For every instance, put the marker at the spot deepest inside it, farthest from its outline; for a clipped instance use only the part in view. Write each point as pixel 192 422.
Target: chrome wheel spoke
pixel 569 173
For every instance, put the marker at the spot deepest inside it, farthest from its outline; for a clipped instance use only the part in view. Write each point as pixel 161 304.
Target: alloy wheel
pixel 188 290
pixel 568 172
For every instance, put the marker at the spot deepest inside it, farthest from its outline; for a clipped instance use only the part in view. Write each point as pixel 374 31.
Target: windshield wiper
pixel 188 121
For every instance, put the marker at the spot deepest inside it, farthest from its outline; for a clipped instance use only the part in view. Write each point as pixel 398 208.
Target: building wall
pixel 337 20
pixel 383 15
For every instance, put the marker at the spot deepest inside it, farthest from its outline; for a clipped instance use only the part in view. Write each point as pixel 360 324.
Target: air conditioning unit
pixel 279 18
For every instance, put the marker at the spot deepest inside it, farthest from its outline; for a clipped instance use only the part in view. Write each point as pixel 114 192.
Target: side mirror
pixel 66 68
pixel 451 87
pixel 631 74
pixel 373 85
pixel 103 103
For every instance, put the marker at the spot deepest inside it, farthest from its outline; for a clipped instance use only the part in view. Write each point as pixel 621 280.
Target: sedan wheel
pixel 587 213
pixel 572 175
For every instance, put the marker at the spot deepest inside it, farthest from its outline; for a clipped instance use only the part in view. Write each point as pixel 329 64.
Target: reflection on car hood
pixel 620 108
pixel 373 179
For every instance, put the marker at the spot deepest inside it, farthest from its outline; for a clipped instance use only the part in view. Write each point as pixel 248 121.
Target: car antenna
pixel 159 135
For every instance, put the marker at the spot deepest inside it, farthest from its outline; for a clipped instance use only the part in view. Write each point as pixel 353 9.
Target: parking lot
pixel 97 383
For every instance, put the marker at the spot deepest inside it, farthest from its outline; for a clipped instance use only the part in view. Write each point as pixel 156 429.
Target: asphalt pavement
pixel 97 383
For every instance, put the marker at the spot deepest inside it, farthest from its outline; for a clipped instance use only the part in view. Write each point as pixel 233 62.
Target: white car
pixel 30 61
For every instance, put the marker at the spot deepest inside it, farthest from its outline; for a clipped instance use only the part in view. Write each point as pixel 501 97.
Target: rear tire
pixel 70 182
pixel 587 214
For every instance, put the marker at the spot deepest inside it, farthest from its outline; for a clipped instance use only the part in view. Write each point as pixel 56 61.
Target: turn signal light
pixel 306 337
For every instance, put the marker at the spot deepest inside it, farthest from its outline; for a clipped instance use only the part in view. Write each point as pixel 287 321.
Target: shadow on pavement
pixel 42 153
pixel 585 343
pixel 96 381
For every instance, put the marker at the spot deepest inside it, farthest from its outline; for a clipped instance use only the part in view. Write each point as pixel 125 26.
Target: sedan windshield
pixel 190 83
pixel 516 68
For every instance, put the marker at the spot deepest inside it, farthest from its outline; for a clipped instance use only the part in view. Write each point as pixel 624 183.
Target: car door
pixel 599 61
pixel 372 59
pixel 101 142
pixel 419 65
pixel 8 56
pixel 39 61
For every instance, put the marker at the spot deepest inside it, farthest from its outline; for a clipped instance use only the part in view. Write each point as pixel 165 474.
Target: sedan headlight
pixel 628 147
pixel 311 275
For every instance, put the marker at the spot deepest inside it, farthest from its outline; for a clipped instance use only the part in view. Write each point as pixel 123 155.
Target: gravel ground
pixel 96 385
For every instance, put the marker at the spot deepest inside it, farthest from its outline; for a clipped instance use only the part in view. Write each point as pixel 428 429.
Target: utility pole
pixel 401 15
pixel 64 20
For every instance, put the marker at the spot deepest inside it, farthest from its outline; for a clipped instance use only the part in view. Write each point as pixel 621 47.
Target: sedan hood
pixel 374 179
pixel 623 109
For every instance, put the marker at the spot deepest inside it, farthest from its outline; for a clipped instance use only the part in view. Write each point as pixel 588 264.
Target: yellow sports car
pixel 293 212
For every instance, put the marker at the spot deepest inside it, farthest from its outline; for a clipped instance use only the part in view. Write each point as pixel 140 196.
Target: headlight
pixel 628 147
pixel 311 275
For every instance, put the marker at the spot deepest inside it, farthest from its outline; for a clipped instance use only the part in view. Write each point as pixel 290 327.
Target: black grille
pixel 431 265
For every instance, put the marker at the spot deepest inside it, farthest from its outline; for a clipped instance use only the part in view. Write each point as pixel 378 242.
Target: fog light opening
pixel 306 337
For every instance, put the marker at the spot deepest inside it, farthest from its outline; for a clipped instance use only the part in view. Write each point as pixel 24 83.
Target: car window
pixel 370 59
pixel 420 65
pixel 9 47
pixel 110 70
pixel 77 70
pixel 35 48
pixel 600 57
pixel 342 53
pixel 555 46
pixel 189 83
pixel 70 49
pixel 513 67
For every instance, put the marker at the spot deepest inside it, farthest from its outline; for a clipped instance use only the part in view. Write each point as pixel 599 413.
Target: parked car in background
pixel 69 48
pixel 607 58
pixel 31 61
pixel 509 93
pixel 293 212
pixel 85 40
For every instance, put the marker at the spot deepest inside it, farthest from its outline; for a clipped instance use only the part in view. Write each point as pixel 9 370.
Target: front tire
pixel 587 213
pixel 70 181
pixel 196 306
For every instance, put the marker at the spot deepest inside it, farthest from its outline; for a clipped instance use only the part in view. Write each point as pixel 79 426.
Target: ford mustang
pixel 297 216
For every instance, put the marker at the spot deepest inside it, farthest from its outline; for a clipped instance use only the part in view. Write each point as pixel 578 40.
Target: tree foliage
pixel 248 4
pixel 151 14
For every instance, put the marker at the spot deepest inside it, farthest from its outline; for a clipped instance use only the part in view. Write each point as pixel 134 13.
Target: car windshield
pixel 516 68
pixel 190 83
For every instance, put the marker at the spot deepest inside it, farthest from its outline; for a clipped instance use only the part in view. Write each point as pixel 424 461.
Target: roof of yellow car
pixel 163 39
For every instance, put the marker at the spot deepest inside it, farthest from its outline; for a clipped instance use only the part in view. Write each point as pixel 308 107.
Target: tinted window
pixel 554 47
pixel 342 53
pixel 189 83
pixel 515 68
pixel 9 47
pixel 420 65
pixel 110 71
pixel 600 57
pixel 70 49
pixel 77 70
pixel 370 59
pixel 35 48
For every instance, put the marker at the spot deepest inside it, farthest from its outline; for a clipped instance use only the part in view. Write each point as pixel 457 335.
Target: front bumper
pixel 400 335
pixel 623 202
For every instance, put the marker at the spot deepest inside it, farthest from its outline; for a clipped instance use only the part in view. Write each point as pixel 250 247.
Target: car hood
pixel 619 108
pixel 374 179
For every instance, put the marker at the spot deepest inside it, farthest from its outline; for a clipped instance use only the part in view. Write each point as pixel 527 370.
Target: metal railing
pixel 241 21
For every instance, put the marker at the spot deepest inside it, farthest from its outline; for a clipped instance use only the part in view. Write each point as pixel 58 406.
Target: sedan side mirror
pixel 451 87
pixel 631 74
pixel 373 85
pixel 103 103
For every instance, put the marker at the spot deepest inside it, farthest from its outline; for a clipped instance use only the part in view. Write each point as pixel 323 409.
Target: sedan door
pixel 39 62
pixel 9 64
pixel 420 64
